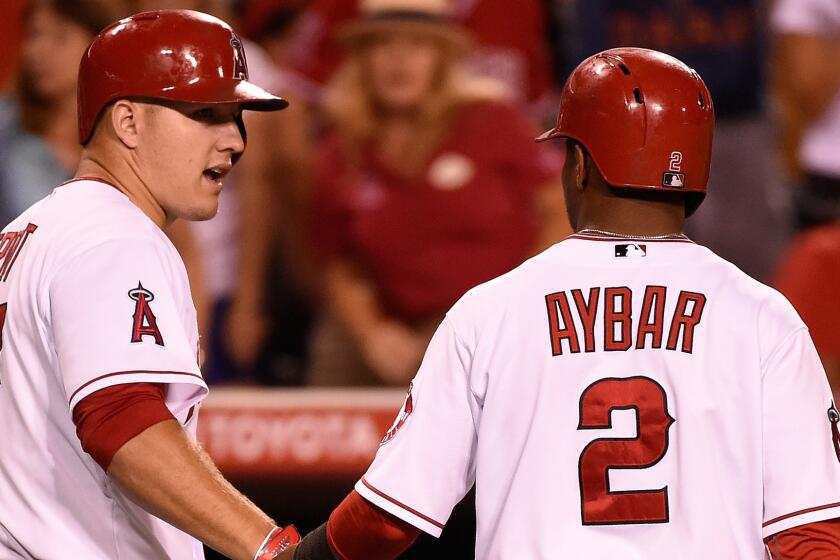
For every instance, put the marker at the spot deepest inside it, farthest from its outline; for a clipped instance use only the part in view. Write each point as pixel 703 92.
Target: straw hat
pixel 429 17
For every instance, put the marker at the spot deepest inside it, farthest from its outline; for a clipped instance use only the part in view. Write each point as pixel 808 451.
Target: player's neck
pixel 92 166
pixel 632 217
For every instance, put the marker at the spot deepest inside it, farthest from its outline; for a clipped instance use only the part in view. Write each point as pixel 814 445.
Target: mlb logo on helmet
pixel 632 250
pixel 673 180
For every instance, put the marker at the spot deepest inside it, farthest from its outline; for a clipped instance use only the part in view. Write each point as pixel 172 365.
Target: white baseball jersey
pixel 616 398
pixel 92 294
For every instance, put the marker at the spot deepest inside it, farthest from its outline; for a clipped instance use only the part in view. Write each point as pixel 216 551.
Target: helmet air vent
pixel 637 93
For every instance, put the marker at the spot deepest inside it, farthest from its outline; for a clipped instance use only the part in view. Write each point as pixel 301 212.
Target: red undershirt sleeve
pixel 359 530
pixel 814 541
pixel 107 419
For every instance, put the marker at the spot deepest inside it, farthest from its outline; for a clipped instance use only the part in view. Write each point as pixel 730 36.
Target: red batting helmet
pixel 175 55
pixel 645 118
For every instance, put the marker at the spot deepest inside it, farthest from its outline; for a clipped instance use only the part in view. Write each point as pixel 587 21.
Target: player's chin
pixel 207 214
pixel 202 212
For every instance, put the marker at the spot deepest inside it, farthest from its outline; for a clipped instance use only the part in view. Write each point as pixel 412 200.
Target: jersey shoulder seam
pixel 772 355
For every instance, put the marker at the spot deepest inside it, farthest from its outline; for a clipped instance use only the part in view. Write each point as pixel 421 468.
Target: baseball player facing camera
pixel 99 379
pixel 626 393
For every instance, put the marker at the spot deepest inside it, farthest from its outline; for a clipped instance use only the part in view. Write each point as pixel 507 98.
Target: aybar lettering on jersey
pixel 145 322
pixel 622 331
pixel 11 244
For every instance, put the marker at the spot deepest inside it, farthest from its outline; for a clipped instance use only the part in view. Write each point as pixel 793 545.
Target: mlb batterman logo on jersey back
pixel 632 250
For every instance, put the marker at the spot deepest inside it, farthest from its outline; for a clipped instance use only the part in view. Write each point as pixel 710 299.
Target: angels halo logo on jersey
pixel 834 418
pixel 145 322
pixel 405 412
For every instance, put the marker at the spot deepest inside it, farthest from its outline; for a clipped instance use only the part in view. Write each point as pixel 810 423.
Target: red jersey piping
pixel 800 512
pixel 401 505
pixel 148 372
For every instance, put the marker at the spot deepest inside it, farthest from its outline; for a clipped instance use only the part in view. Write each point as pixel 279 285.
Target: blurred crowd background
pixel 405 170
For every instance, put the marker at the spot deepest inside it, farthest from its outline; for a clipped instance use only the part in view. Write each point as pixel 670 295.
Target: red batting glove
pixel 278 540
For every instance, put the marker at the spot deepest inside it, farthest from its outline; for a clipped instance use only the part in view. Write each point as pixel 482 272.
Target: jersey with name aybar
pixel 640 399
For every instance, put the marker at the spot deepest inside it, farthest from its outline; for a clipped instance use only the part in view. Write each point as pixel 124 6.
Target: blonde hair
pixel 350 107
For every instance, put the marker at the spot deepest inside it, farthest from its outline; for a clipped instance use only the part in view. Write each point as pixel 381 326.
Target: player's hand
pixel 393 351
pixel 246 328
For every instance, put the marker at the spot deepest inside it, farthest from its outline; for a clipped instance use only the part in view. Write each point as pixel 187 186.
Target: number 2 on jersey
pixel 598 504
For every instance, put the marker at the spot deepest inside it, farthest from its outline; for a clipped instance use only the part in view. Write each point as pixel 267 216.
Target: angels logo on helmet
pixel 240 64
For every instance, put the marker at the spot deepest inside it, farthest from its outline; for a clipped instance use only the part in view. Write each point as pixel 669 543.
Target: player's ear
pixel 580 174
pixel 125 115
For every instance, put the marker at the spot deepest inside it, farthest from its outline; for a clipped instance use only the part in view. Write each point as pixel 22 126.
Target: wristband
pixel 278 540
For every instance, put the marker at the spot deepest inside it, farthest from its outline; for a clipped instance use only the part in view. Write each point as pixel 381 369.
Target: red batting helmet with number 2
pixel 645 118
pixel 174 55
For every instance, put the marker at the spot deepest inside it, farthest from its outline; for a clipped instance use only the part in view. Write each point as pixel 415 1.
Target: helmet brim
pixel 251 96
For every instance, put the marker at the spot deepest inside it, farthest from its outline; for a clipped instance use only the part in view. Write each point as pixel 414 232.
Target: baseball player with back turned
pixel 625 394
pixel 99 379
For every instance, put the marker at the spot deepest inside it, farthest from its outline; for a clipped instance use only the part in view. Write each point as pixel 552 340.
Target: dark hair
pixel 91 15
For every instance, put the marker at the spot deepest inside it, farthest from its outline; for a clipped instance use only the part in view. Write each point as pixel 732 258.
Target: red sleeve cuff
pixel 359 530
pixel 107 419
pixel 814 541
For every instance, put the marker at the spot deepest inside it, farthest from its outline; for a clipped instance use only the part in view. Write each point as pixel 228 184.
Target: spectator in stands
pixel 428 184
pixel 39 143
pixel 274 25
pixel 742 218
pixel 809 275
pixel 231 258
pixel 807 94
pixel 511 45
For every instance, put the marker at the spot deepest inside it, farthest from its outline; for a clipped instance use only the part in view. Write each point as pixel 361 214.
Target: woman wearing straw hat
pixel 428 184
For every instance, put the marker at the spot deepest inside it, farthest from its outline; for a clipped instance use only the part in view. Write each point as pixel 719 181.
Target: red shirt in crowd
pixel 12 33
pixel 468 217
pixel 511 49
pixel 809 276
